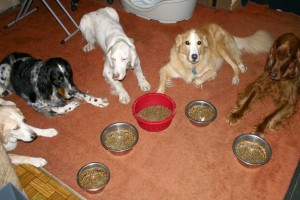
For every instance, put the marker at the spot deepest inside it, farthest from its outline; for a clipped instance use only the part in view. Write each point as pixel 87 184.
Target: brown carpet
pixel 182 162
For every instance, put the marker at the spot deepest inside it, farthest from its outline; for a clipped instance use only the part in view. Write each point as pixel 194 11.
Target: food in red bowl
pixel 154 111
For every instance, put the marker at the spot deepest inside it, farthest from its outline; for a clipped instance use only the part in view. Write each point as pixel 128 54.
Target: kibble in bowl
pixel 251 150
pixel 200 113
pixel 119 137
pixel 154 111
pixel 93 177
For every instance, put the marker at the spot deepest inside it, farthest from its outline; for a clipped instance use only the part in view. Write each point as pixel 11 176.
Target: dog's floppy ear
pixel 178 40
pixel 205 42
pixel 294 67
pixel 108 58
pixel 4 134
pixel 133 58
pixel 3 139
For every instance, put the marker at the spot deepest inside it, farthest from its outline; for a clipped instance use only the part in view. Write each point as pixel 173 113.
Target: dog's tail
pixel 259 42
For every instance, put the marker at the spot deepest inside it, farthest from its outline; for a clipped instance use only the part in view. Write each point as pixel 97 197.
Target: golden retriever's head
pixel 193 44
pixel 284 57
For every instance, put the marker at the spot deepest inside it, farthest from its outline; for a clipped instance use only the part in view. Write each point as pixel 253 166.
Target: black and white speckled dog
pixel 47 86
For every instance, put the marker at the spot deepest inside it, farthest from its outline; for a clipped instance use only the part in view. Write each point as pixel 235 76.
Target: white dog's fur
pixel 103 27
pixel 13 128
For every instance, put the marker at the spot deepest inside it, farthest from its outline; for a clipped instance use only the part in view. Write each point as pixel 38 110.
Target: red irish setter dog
pixel 280 80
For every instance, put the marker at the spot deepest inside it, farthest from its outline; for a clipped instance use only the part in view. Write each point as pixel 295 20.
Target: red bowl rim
pixel 154 122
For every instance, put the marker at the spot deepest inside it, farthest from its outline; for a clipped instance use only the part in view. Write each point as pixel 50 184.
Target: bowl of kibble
pixel 251 150
pixel 154 111
pixel 200 112
pixel 93 177
pixel 119 137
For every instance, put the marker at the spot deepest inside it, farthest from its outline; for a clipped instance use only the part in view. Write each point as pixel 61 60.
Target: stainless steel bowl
pixel 201 103
pixel 119 137
pixel 99 179
pixel 252 140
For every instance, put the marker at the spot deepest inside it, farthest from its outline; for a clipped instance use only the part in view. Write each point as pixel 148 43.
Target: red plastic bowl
pixel 152 99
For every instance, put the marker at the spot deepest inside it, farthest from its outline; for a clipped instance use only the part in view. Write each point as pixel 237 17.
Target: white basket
pixel 165 11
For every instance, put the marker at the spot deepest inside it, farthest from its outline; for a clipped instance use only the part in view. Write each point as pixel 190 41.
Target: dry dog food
pixel 119 140
pixel 93 178
pixel 200 113
pixel 251 152
pixel 154 113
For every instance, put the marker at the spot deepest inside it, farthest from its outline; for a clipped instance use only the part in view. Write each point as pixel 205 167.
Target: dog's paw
pixel 243 68
pixel 37 162
pixel 88 48
pixel 275 126
pixel 7 103
pixel 124 97
pixel 99 102
pixel 235 80
pixel 233 119
pixel 198 83
pixel 67 108
pixel 145 86
pixel 51 132
pixel 260 131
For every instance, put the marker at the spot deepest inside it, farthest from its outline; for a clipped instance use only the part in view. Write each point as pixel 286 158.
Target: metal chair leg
pixel 22 13
pixel 59 21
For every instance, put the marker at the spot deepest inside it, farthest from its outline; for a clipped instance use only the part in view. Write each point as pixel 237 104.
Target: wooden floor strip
pixel 39 184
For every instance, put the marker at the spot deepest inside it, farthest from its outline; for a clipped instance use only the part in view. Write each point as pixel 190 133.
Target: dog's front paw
pixel 51 132
pixel 198 83
pixel 275 126
pixel 124 97
pixel 88 48
pixel 235 80
pixel 7 103
pixel 72 105
pixel 99 102
pixel 243 68
pixel 38 162
pixel 145 86
pixel 67 108
pixel 233 119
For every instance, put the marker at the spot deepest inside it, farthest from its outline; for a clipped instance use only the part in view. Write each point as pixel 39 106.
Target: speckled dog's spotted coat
pixel 47 86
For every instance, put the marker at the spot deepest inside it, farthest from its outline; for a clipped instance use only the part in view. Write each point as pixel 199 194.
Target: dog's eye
pixel 199 42
pixel 123 59
pixel 187 43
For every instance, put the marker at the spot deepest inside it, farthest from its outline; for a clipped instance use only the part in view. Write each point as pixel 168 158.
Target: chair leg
pixel 59 21
pixel 110 1
pixel 25 5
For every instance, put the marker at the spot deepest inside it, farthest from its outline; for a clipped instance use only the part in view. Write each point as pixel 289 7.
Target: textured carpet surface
pixel 182 162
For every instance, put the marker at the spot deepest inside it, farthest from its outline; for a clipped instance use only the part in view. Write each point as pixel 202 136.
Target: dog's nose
pixel 71 93
pixel 33 135
pixel 273 74
pixel 194 56
pixel 116 75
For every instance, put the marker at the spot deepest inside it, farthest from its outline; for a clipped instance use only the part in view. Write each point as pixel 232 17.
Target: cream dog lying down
pixel 103 27
pixel 13 128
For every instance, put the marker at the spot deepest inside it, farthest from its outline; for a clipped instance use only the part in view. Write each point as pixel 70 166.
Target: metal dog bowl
pixel 119 137
pixel 93 177
pixel 251 150
pixel 200 112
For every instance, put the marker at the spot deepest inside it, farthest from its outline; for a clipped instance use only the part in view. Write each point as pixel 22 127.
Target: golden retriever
pixel 13 128
pixel 198 54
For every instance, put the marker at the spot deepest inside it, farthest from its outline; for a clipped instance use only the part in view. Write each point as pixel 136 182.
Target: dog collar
pixel 194 71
